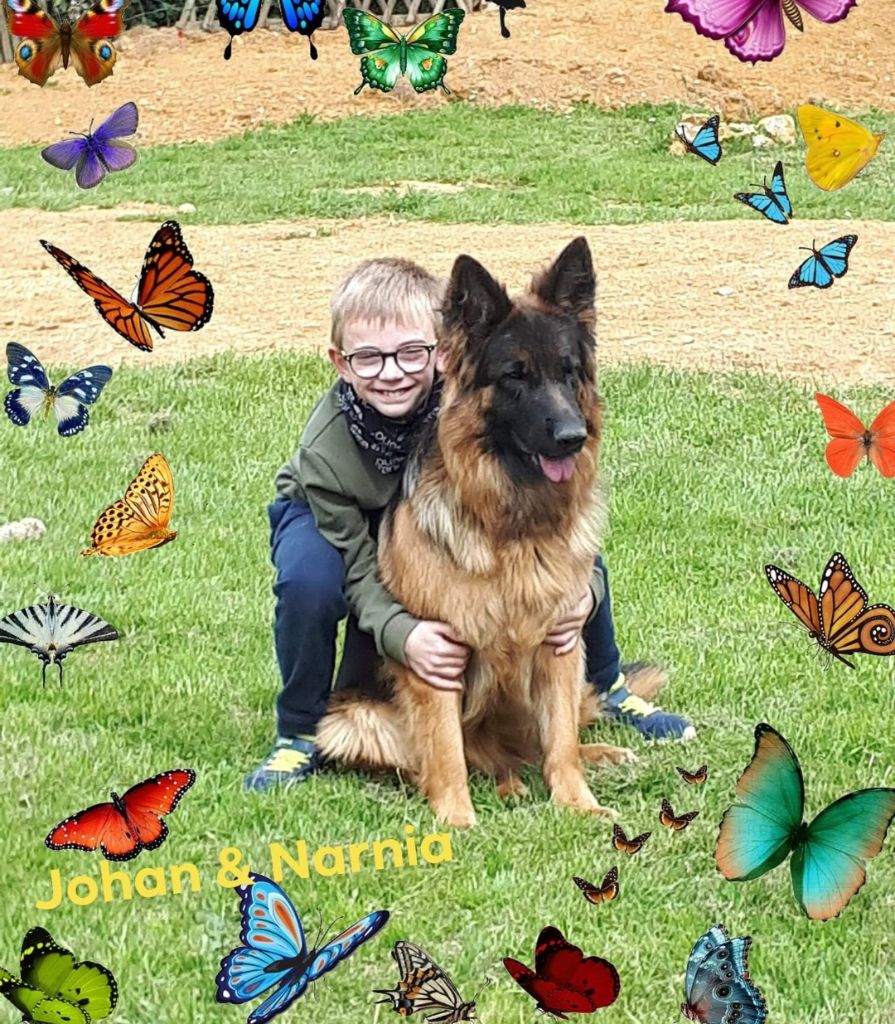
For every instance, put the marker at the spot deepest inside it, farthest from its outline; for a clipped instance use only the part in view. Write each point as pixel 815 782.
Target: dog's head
pixel 531 362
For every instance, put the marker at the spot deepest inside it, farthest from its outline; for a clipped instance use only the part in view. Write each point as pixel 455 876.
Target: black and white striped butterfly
pixel 425 986
pixel 51 630
pixel 33 391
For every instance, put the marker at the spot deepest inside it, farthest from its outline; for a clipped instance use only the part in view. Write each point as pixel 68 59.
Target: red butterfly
pixel 130 823
pixel 852 440
pixel 564 979
pixel 44 42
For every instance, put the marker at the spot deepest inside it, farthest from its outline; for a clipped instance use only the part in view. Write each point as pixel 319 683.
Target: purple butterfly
pixel 754 30
pixel 97 152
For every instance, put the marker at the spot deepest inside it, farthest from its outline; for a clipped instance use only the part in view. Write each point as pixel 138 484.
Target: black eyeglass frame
pixel 391 355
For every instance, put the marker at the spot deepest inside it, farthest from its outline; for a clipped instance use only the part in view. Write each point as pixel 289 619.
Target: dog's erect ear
pixel 570 284
pixel 475 303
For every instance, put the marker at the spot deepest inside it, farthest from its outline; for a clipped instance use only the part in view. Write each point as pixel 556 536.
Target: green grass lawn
pixel 519 165
pixel 709 478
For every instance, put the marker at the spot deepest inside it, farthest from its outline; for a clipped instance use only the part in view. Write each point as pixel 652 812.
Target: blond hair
pixel 385 290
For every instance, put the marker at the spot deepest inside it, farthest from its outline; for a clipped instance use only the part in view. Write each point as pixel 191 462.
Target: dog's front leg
pixel 434 722
pixel 556 690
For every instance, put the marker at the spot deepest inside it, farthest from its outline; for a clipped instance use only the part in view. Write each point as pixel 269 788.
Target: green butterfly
pixel 54 989
pixel 418 56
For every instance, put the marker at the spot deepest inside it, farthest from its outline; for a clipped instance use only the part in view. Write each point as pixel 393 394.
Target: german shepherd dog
pixel 495 530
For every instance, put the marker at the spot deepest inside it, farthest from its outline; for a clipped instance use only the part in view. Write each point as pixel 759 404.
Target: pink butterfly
pixel 754 30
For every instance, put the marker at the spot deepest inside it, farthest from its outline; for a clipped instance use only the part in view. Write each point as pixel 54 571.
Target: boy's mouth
pixel 394 392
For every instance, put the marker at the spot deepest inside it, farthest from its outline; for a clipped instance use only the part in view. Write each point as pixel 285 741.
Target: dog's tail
pixel 641 677
pixel 363 733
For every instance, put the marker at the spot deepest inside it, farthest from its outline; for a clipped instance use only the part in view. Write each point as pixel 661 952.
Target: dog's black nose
pixel 569 436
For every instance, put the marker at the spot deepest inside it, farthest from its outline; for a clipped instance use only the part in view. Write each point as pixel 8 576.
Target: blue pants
pixel 310 593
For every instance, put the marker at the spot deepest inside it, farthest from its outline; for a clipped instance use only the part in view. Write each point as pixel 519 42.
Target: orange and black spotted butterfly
pixel 140 520
pixel 840 622
pixel 607 890
pixel 630 846
pixel 670 820
pixel 698 777
pixel 169 294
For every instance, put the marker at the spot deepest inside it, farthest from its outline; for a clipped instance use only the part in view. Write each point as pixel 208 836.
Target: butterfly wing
pixel 171 293
pixel 698 777
pixel 630 846
pixel 812 272
pixel 121 315
pixel 104 151
pixel 438 34
pixel 304 16
pixel 39 51
pixel 410 958
pixel 238 16
pixel 705 143
pixel 757 833
pixel 835 254
pixel 92 52
pixel 828 867
pixel 713 19
pixel 825 264
pixel 24 369
pixel 344 944
pixel 882 441
pixel 82 388
pixel 670 820
pixel 798 598
pixel 721 986
pixel 715 936
pixel 51 968
pixel 366 33
pixel 591 978
pixel 99 826
pixel 550 997
pixel 838 148
pixel 762 37
pixel 774 201
pixel 65 155
pixel 847 448
pixel 148 801
pixel 778 190
pixel 140 520
pixel 849 624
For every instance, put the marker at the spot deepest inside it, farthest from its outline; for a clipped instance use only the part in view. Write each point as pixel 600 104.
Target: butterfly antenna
pixel 481 988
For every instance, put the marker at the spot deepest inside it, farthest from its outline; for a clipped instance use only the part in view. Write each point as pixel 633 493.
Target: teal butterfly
pixel 705 142
pixel 418 56
pixel 828 855
pixel 54 988
pixel 773 202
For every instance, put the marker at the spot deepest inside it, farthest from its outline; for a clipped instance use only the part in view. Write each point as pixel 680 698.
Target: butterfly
pixel 774 202
pixel 86 40
pixel 97 153
pixel 670 820
pixel 54 988
pixel 275 953
pixel 140 519
pixel 830 261
pixel 838 148
pixel 717 986
pixel 754 30
pixel 705 143
pixel 170 293
pixel 607 891
pixel 304 16
pixel 425 986
pixel 34 392
pixel 840 622
pixel 418 55
pixel 828 856
pixel 630 846
pixel 852 440
pixel 699 776
pixel 564 980
pixel 506 5
pixel 51 630
pixel 130 823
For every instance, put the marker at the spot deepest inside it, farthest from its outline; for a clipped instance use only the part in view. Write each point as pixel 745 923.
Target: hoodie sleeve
pixel 598 589
pixel 341 521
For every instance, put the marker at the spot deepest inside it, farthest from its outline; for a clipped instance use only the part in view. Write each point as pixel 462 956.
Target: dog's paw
pixel 601 753
pixel 512 786
pixel 456 815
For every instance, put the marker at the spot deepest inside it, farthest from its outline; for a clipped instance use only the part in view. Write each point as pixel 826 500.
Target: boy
pixel 325 520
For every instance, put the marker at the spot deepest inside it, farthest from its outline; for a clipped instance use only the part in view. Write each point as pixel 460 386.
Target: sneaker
pixel 653 724
pixel 293 759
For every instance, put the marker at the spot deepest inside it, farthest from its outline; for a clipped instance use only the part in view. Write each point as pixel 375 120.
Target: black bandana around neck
pixel 390 440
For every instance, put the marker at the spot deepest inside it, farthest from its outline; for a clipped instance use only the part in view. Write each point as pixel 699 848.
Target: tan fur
pixel 500 563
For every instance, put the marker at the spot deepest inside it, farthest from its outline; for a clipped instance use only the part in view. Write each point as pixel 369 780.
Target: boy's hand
pixel 434 651
pixel 567 629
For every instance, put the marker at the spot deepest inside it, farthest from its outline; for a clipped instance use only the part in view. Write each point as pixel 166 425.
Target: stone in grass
pixel 186 208
pixel 159 422
pixel 779 127
pixel 761 142
pixel 24 529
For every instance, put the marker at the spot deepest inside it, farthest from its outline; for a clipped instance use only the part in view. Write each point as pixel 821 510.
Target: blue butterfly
pixel 276 953
pixel 705 143
pixel 774 202
pixel 238 16
pixel 717 986
pixel 824 264
pixel 34 392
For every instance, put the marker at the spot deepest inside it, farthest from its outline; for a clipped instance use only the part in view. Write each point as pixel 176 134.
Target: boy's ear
pixel 570 284
pixel 338 361
pixel 475 303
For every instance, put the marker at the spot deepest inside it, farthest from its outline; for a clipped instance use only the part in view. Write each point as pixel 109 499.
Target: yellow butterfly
pixel 140 520
pixel 837 147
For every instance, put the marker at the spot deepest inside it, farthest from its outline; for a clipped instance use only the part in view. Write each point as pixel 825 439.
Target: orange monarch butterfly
pixel 169 294
pixel 140 520
pixel 699 776
pixel 607 890
pixel 852 440
pixel 840 622
pixel 629 846
pixel 672 821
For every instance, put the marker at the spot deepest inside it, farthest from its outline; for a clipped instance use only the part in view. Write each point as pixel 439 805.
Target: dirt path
pixel 620 52
pixel 842 335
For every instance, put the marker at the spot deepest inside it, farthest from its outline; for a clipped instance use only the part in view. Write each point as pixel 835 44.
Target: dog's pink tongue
pixel 558 470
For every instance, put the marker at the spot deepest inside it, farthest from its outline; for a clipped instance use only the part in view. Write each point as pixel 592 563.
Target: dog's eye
pixel 517 372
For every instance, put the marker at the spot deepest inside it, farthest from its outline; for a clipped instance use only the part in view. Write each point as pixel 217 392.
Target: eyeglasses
pixel 370 362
